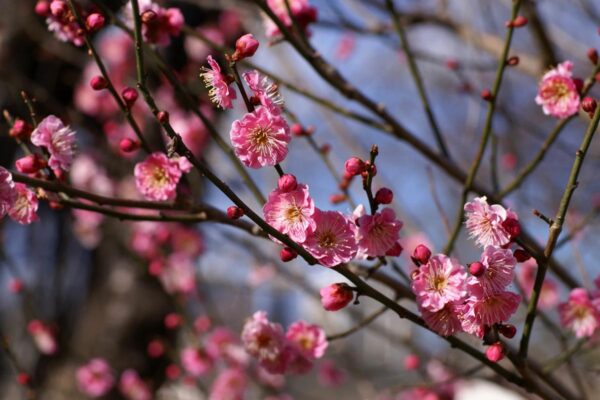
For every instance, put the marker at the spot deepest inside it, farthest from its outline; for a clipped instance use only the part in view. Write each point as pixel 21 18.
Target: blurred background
pixel 87 276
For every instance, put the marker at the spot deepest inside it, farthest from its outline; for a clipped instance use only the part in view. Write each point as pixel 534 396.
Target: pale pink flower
pixel 95 378
pixel 334 240
pixel 43 336
pixel 230 384
pixel 330 375
pixel 488 224
pixel 187 240
pixel 557 92
pixel 378 233
pixel 24 209
pixel 309 339
pixel 178 274
pixel 444 321
pixel 499 269
pixel 220 91
pixel 260 138
pixel 579 313
pixel 64 28
pixel 8 195
pixel 195 361
pixel 266 341
pixel 157 177
pixel 219 341
pixel 132 387
pixel 303 13
pixel 265 90
pixel 166 23
pixel 442 280
pixel 492 308
pixel 336 296
pixel 58 139
pixel 549 297
pixel 291 213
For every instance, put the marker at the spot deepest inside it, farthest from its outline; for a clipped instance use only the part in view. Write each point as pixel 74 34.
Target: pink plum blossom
pixel 333 241
pixel 58 139
pixel 64 28
pixel 230 384
pixel 260 138
pixel 157 177
pixel 95 378
pixel 442 280
pixel 219 89
pixel 195 361
pixel 330 375
pixel 499 269
pixel 557 92
pixel 132 387
pixel 178 274
pixel 378 233
pixel 303 13
pixel 165 23
pixel 445 321
pixel 309 339
pixel 491 308
pixel 579 313
pixel 43 336
pixel 488 224
pixel 24 209
pixel 266 341
pixel 8 195
pixel 291 213
pixel 266 91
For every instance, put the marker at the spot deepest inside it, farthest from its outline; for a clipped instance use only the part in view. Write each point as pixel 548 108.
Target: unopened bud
pixel 98 83
pixel 94 21
pixel 130 95
pixel 287 254
pixel 593 55
pixel 476 269
pixel 235 212
pixel 421 255
pixel 129 145
pixel 384 196
pixel 245 47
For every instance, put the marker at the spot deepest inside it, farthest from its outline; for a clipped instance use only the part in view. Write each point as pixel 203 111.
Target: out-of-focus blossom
pixel 230 384
pixel 158 23
pixel 219 88
pixel 329 375
pixel 196 49
pixel 333 240
pixel 58 139
pixel 178 274
pixel 378 233
pixel 62 23
pixel 266 341
pixel 157 177
pixel 557 92
pixel 579 313
pixel 439 282
pixel 526 277
pixel 345 46
pixel 489 225
pixel 43 337
pixel 309 339
pixel 132 387
pixel 24 208
pixel 95 378
pixel 291 213
pixel 302 11
pixel 195 361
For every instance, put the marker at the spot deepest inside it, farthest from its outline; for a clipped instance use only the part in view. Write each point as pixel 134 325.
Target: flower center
pixel 327 240
pixel 159 176
pixel 260 136
pixel 439 283
pixel 556 90
pixel 293 213
pixel 305 342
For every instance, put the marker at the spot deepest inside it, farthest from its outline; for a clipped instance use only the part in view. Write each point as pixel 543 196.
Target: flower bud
pixel 155 349
pixel 245 47
pixel 452 64
pixel 234 212
pixel 512 226
pixel 487 95
pixel 58 8
pixel 476 269
pixel 29 164
pixel 325 149
pixel 172 371
pixel 162 117
pixel 173 320
pixel 521 255
pixel 287 254
pixel 588 104
pixel 94 21
pixel 592 55
pixel 395 250
pixel 518 22
pixel 42 8
pixel 512 61
pixel 354 166
pixel 384 196
pixel 298 130
pixel 129 145
pixel 16 286
pixel 148 16
pixel 495 352
pixel 130 95
pixel 337 198
pixel 336 296
pixel 412 362
pixel 287 183
pixel 23 379
pixel 421 255
pixel 155 268
pixel 507 330
pixel 98 83
pixel 20 130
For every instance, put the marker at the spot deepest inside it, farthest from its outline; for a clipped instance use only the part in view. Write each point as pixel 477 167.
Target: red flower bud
pixel 173 320
pixel 287 183
pixel 23 379
pixel 518 22
pixel 172 371
pixel 129 145
pixel 337 198
pixel 592 54
pixel 20 130
pixel 16 286
pixel 326 148
pixel 98 83
pixel 94 21
pixel 245 47
pixel 384 196
pixel 162 117
pixel 476 269
pixel 234 212
pixel 495 352
pixel 421 255
pixel 42 8
pixel 513 227
pixel 287 254
pixel 148 16
pixel 588 104
pixel 452 64
pixel 155 349
pixel 58 8
pixel 298 130
pixel 487 95
pixel 521 255
pixel 130 95
pixel 412 362
pixel 512 61
pixel 509 331
pixel 354 166
pixel 30 164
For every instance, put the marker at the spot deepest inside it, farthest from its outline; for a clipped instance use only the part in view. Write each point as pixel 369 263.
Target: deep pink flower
pixel 58 139
pixel 557 92
pixel 579 313
pixel 499 270
pixel 157 177
pixel 165 22
pixel 132 387
pixel 442 280
pixel 266 91
pixel 291 213
pixel 178 274
pixel 444 321
pixel 336 296
pixel 308 339
pixel 334 239
pixel 491 308
pixel 230 384
pixel 378 233
pixel 24 209
pixel 303 13
pixel 487 224
pixel 8 195
pixel 220 91
pixel 195 361
pixel 260 138
pixel 266 341
pixel 95 378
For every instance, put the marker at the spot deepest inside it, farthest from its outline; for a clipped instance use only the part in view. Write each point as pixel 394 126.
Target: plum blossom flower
pixel 266 341
pixel 378 233
pixel 548 295
pixel 442 280
pixel 24 209
pixel 303 13
pixel 157 177
pixel 266 91
pixel 195 361
pixel 58 139
pixel 330 375
pixel 260 138
pixel 579 313
pixel 132 387
pixel 336 296
pixel 230 384
pixel 445 321
pixel 43 336
pixel 8 195
pixel 95 378
pixel 557 92
pixel 499 269
pixel 489 225
pixel 219 89
pixel 165 22
pixel 64 27
pixel 309 339
pixel 486 309
pixel 333 241
pixel 178 274
pixel 291 213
